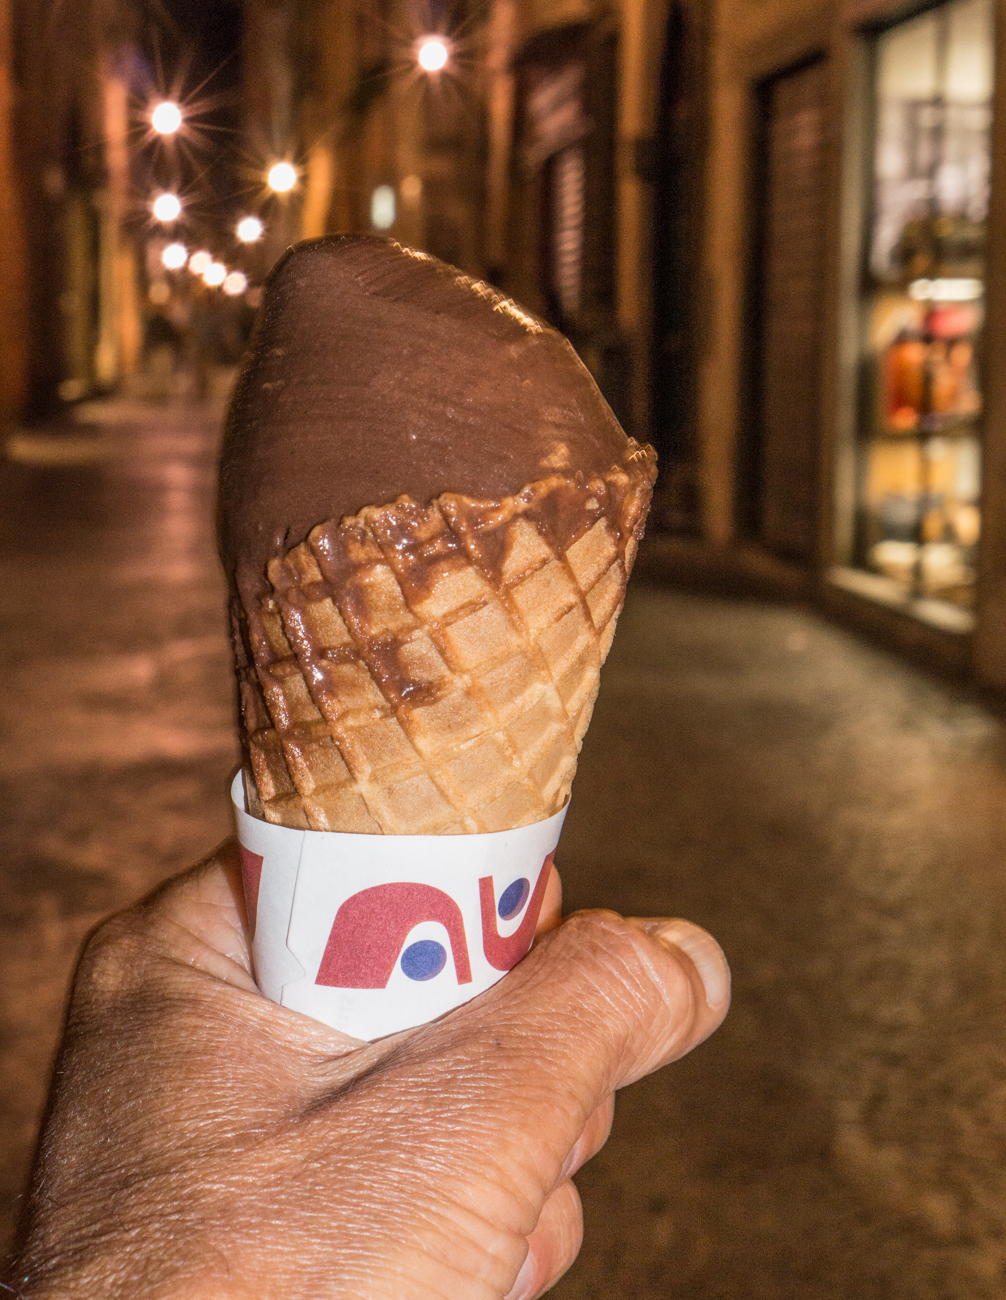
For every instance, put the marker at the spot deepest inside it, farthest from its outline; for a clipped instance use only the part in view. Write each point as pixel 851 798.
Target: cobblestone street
pixel 834 817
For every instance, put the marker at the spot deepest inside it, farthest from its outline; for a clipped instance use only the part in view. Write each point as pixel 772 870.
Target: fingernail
pixel 524 1281
pixel 705 953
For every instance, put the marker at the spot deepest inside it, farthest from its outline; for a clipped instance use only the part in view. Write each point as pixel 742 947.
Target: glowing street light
pixel 166 118
pixel 382 207
pixel 215 274
pixel 432 53
pixel 167 207
pixel 235 284
pixel 249 230
pixel 198 262
pixel 282 177
pixel 175 256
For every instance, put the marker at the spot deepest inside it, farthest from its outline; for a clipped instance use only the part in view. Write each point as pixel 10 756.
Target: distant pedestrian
pixel 161 346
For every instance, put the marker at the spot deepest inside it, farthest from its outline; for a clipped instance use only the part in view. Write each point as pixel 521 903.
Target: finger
pixel 592 1139
pixel 202 915
pixel 703 954
pixel 551 906
pixel 195 920
pixel 553 1246
pixel 595 1005
pixel 642 992
pixel 193 927
pixel 203 922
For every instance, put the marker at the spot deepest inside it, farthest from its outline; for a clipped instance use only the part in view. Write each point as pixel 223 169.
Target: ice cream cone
pixel 431 670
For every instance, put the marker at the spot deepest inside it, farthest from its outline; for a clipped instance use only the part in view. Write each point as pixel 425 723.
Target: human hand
pixel 203 1143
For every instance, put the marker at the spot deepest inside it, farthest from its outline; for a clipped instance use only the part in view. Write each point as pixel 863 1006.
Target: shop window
pixel 567 228
pixel 557 126
pixel 919 453
pixel 562 210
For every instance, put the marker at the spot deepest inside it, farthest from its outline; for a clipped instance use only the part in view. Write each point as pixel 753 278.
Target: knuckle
pixel 631 959
pixel 640 987
pixel 111 958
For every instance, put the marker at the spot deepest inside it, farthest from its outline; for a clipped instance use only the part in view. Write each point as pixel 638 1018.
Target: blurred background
pixel 774 230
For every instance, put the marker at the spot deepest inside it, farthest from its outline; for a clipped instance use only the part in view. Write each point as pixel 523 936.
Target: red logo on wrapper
pixel 371 927
pixel 503 953
pixel 251 877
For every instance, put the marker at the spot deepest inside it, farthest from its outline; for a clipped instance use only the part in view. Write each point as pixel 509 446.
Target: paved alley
pixel 833 817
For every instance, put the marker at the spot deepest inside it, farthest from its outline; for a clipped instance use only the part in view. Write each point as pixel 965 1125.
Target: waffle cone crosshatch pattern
pixel 431 670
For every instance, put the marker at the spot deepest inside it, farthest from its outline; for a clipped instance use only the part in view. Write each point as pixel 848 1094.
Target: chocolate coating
pixel 376 371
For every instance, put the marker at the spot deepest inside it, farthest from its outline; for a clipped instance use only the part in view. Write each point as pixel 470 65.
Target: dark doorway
pixel 781 477
pixel 677 176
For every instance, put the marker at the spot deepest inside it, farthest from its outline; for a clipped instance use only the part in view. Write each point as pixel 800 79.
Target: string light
pixel 198 262
pixel 166 118
pixel 249 230
pixel 235 283
pixel 215 274
pixel 175 256
pixel 432 53
pixel 282 177
pixel 167 207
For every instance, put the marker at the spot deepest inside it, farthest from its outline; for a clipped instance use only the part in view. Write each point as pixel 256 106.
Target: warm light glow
pixel 382 207
pixel 411 189
pixel 282 177
pixel 235 283
pixel 963 290
pixel 198 262
pixel 431 53
pixel 166 118
pixel 215 273
pixel 249 230
pixel 175 256
pixel 167 207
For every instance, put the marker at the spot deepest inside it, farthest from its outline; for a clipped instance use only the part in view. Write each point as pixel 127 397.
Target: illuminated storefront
pixel 918 499
pixel 852 386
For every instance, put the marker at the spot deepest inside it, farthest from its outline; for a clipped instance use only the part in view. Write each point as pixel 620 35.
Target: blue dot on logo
pixel 513 898
pixel 424 959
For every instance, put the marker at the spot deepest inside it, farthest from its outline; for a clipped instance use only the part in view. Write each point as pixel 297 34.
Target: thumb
pixel 620 996
pixel 600 1002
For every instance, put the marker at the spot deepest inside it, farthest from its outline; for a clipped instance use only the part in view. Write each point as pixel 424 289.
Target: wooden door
pixel 792 269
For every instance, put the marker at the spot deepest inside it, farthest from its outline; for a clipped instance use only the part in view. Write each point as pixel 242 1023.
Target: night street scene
pixel 773 232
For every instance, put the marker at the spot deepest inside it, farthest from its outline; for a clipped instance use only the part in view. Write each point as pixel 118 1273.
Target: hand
pixel 202 1143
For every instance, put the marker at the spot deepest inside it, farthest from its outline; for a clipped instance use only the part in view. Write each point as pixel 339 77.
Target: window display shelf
pixel 940 614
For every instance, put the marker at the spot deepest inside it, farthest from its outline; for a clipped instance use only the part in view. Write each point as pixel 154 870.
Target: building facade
pixel 852 426
pixel 769 227
pixel 81 165
pixel 67 266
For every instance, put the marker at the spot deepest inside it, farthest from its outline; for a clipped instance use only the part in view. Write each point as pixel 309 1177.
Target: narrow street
pixel 116 735
pixel 834 817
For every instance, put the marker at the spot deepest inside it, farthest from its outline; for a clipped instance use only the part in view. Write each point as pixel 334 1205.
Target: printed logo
pixel 251 876
pixel 371 927
pixel 504 953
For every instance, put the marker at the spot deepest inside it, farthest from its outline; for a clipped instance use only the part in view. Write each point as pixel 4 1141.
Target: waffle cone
pixel 431 669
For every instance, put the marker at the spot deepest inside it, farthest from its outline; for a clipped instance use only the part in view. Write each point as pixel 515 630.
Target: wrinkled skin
pixel 203 1143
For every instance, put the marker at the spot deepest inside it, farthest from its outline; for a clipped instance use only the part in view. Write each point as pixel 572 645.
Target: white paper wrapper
pixel 375 933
